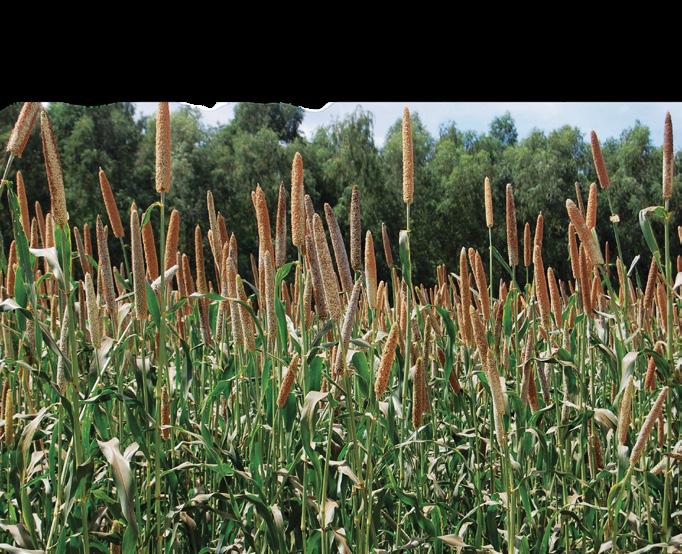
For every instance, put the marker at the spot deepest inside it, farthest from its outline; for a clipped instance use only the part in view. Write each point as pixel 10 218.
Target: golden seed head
pixel 599 164
pixel 387 357
pixel 163 148
pixel 408 158
pixel 297 202
pixel 668 158
pixel 488 198
pixel 110 205
pixel 591 216
pixel 53 168
pixel 23 128
pixel 512 241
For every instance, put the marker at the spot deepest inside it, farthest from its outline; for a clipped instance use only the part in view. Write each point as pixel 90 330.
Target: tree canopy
pixel 258 145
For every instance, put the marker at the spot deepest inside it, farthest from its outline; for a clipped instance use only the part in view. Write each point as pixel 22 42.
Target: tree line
pixel 258 146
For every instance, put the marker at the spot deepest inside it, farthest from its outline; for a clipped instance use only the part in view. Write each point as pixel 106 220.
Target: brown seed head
pixel 138 269
pixel 172 239
pixel 108 290
pixel 165 414
pixel 512 240
pixel 388 254
pixel 599 164
pixel 586 236
pixel 539 231
pixel 541 290
pixel 625 413
pixel 355 231
pixel 339 250
pixel 23 128
pixel 316 278
pixel 202 287
pixel 110 205
pixel 555 297
pixel 53 168
pixel 329 282
pixel 9 418
pixel 647 426
pixel 150 251
pixel 527 254
pixel 269 284
pixel 288 381
pixel 668 158
pixel 281 228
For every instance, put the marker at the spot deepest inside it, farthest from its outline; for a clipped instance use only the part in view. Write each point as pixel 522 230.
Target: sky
pixel 608 119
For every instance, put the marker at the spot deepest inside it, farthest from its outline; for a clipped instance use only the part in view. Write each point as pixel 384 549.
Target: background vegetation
pixel 257 147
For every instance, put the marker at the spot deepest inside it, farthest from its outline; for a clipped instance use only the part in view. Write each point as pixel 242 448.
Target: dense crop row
pixel 182 403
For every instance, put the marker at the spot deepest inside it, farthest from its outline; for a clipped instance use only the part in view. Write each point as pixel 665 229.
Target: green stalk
pixel 406 366
pixel 159 379
pixel 668 409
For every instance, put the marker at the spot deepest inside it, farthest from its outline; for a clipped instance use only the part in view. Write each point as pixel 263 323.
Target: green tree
pixel 503 129
pixel 283 119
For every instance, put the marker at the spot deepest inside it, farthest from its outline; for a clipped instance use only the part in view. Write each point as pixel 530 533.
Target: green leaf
pixel 645 224
pixel 153 305
pixel 123 475
pixel 148 213
pixel 405 257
